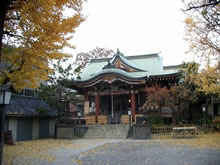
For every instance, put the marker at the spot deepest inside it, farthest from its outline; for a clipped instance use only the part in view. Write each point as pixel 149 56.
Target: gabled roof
pixel 120 61
pixel 27 106
pixel 139 67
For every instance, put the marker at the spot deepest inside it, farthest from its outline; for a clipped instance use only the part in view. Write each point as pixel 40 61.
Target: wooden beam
pixel 114 92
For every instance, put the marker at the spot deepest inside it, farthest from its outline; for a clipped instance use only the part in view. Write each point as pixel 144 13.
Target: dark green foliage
pixel 41 110
pixel 156 119
pixel 49 94
pixel 56 93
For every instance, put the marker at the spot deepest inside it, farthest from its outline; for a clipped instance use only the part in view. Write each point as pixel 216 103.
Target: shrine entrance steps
pixel 113 131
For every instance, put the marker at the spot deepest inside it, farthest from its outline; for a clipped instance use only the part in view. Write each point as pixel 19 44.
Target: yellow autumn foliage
pixel 211 141
pixel 38 148
pixel 41 149
pixel 202 28
pixel 189 21
pixel 208 81
pixel 38 35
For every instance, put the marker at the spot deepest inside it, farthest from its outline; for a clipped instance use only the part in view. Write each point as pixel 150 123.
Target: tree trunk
pixel 3 10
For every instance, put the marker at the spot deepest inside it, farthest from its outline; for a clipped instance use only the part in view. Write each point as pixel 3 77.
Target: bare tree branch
pixel 11 34
pixel 7 19
pixel 212 3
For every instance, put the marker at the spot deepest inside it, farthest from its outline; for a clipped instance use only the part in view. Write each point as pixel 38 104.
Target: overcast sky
pixel 134 27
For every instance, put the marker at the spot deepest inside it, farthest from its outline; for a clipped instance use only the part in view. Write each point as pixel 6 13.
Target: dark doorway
pixel 121 104
pixel 24 129
pixel 215 106
pixel 43 128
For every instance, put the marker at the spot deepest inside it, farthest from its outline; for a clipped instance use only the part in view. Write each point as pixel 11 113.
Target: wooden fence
pixel 161 129
pixel 168 128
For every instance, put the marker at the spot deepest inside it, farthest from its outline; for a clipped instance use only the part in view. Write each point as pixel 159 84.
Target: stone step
pixel 116 131
pixel 101 137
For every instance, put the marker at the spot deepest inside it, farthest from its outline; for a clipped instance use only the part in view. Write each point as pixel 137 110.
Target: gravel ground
pixel 124 152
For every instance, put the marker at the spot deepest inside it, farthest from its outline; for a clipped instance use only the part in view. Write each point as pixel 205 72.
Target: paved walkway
pixel 123 152
pixel 64 156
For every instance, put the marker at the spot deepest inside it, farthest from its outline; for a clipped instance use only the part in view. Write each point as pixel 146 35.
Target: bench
pixel 178 130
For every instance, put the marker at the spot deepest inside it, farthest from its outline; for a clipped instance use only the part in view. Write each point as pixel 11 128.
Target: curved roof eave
pixel 165 75
pixel 115 72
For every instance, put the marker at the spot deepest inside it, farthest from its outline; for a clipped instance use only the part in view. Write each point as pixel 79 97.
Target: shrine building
pixel 114 86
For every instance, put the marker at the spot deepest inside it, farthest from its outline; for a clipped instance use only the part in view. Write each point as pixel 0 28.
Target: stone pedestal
pixel 65 132
pixel 80 130
pixel 141 131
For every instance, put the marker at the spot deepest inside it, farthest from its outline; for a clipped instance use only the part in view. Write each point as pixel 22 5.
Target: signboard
pixel 86 108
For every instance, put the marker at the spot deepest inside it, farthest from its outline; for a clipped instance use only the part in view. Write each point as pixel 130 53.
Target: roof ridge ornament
pixel 119 53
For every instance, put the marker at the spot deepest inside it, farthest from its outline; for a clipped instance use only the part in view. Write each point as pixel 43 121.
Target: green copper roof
pixel 145 65
pixel 133 75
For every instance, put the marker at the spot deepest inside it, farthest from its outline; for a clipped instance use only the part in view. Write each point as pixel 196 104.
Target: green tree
pixel 204 83
pixel 54 92
pixel 208 81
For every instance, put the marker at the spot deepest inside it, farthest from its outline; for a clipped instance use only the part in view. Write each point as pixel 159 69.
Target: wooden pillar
pixel 86 96
pixel 133 106
pixel 96 106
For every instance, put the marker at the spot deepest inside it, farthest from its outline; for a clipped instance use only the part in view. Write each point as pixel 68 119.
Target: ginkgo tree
pixel 203 27
pixel 203 35
pixel 203 82
pixel 208 81
pixel 33 33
